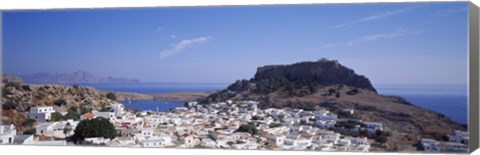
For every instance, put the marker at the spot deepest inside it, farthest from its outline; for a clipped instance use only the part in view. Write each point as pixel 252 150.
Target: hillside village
pixel 228 125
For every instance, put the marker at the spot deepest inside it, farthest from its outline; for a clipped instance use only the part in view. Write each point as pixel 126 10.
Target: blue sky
pixel 403 43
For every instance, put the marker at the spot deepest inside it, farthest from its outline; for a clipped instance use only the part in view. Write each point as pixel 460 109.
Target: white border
pixel 63 4
pixel 56 4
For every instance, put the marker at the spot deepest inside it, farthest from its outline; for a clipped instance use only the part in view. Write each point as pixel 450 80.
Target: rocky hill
pixel 322 72
pixel 18 97
pixel 71 78
pixel 328 85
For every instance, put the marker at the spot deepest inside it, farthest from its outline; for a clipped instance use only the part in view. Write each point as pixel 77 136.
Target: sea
pixel 156 88
pixel 450 100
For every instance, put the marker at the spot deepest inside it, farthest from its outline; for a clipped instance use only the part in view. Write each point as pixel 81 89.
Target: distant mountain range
pixel 71 78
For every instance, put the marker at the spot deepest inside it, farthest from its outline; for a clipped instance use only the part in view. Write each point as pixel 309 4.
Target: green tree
pixel 381 136
pixel 56 116
pixel 72 115
pixel 28 123
pixel 249 128
pixel 112 96
pixel 60 102
pixel 97 127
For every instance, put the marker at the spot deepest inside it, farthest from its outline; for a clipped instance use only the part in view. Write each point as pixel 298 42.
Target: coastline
pixel 172 97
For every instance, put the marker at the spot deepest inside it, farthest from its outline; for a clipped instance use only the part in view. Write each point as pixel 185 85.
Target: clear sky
pixel 403 43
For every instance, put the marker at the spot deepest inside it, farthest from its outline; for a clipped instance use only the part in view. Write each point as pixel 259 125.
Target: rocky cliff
pixel 328 85
pixel 322 72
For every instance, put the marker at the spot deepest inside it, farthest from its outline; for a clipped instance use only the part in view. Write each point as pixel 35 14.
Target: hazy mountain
pixel 71 78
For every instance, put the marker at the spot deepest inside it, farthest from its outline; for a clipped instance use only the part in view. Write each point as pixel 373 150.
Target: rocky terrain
pixel 326 84
pixel 71 78
pixel 18 97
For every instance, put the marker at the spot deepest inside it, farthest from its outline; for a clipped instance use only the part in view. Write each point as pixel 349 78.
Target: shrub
pixel 60 102
pixel 72 115
pixel 331 91
pixel 381 136
pixel 112 96
pixel 28 123
pixel 337 95
pixel 9 105
pixel 16 85
pixel 353 91
pixel 26 88
pixel 56 116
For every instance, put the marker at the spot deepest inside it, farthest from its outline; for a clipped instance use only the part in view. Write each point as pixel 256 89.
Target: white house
pixel 453 147
pixel 46 129
pixel 348 111
pixel 325 115
pixel 207 142
pixel 459 137
pixel 359 140
pixel 106 115
pixel 162 141
pixel 147 132
pixel 245 146
pixel 333 138
pixel 372 127
pixel 430 145
pixel 118 109
pixel 7 134
pixel 276 139
pixel 325 124
pixel 189 140
pixel 41 114
pixel 192 103
pixel 97 140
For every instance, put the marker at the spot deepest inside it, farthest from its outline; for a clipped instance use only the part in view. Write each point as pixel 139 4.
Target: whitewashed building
pixel 118 109
pixel 372 127
pixel 40 114
pixel 106 115
pixel 459 137
pixel 46 129
pixel 7 134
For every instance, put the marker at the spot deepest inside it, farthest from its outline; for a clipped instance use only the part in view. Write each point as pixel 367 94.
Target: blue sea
pixel 450 100
pixel 157 88
pixel 152 105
